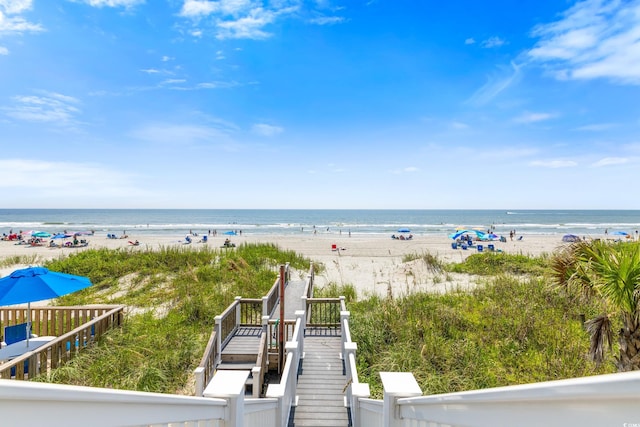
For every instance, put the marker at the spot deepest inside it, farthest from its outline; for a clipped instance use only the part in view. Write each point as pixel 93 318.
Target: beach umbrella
pixel 230 233
pixel 490 236
pixel 40 234
pixel 404 230
pixel 61 236
pixel 37 284
pixel 620 233
pixel 459 233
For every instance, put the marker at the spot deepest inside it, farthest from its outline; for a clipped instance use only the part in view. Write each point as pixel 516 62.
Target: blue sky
pixel 320 104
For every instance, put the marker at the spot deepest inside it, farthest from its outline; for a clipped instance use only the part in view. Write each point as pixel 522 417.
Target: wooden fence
pixel 75 327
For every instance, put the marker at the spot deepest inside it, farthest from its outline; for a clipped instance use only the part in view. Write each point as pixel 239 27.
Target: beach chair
pixel 491 248
pixel 454 245
pixel 480 248
pixel 15 333
pixel 463 246
pixel 334 247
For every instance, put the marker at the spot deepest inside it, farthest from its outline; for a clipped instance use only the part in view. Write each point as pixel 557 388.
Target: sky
pixel 320 104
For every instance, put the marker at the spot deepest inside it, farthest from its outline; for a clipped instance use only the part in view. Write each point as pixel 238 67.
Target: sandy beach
pixel 372 264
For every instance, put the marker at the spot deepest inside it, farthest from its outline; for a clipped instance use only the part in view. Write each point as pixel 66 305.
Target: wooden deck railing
pixel 250 312
pixel 308 289
pixel 323 312
pixel 51 320
pixel 97 320
pixel 241 312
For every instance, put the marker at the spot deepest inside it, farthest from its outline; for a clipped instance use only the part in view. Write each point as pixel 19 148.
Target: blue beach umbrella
pixel 404 230
pixel 620 233
pixel 459 233
pixel 37 284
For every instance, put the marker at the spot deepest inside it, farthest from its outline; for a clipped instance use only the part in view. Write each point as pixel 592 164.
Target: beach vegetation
pixel 608 272
pixel 489 264
pixel 510 331
pixel 31 259
pixel 433 263
pixel 172 295
pixel 333 290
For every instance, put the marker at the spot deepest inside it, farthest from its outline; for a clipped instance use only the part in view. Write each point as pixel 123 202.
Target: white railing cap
pixel 400 383
pixel 226 384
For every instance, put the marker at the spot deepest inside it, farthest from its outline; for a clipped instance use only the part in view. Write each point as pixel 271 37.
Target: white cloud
pixel 597 127
pixel 610 161
pixel 166 58
pixel 218 135
pixel 10 19
pixel 266 130
pixel 495 85
pixel 470 40
pixel 65 179
pixel 217 85
pixel 4 50
pixel 328 20
pixel 459 125
pixel 150 71
pixel 170 82
pixel 554 164
pixel 593 39
pixel 492 42
pixel 113 3
pixel 200 8
pixel 247 27
pixel 50 107
pixel 15 6
pixel 534 117
pixel 236 19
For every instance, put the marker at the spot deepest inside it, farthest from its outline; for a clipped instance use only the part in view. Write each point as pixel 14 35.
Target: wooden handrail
pixel 323 312
pixel 207 364
pixel 250 312
pixel 63 348
pixel 261 362
pixel 51 320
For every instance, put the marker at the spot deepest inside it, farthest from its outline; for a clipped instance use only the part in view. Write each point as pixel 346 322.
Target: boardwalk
pixel 292 300
pixel 321 383
pixel 243 347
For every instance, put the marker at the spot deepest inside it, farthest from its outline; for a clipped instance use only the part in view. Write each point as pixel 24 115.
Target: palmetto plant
pixel 611 272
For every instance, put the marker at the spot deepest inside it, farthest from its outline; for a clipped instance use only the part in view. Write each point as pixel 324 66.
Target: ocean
pixel 291 221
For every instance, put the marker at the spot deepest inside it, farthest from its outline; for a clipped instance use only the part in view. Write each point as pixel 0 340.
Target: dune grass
pixel 513 330
pixel 173 295
pixel 510 331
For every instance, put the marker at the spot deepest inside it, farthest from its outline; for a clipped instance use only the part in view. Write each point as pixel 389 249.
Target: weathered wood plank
pixel 320 384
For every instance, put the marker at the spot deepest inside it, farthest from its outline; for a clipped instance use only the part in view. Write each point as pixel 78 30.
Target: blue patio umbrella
pixel 620 233
pixel 404 230
pixel 37 284
pixel 230 233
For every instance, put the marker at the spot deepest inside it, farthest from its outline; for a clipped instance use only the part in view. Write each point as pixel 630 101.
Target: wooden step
pixel 230 366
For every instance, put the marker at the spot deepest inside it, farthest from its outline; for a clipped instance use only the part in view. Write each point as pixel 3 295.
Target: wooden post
pixel 229 385
pixel 281 339
pixel 396 385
